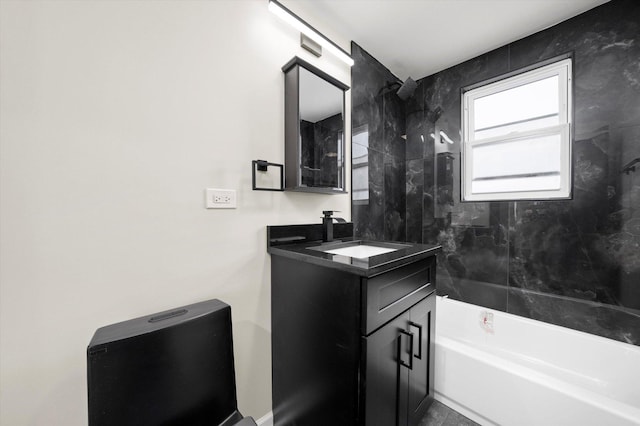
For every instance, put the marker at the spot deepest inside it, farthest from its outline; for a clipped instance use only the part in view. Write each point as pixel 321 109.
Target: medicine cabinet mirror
pixel 314 129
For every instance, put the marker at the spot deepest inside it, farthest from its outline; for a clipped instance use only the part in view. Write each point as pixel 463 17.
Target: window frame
pixel 563 68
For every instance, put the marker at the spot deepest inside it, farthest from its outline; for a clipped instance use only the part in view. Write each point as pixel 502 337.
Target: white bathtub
pixel 522 372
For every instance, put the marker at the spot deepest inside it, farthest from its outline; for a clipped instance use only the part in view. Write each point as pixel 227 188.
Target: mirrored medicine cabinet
pixel 314 129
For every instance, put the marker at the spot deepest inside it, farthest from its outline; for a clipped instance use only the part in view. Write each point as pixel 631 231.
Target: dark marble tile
pixel 557 246
pixel 367 224
pixel 376 193
pixel 445 284
pixel 620 235
pixel 368 116
pixel 429 185
pixel 395 200
pixel 431 232
pixel 394 150
pixel 394 126
pixel 415 103
pixel 604 42
pixel 442 184
pixel 360 217
pixel 414 201
pixel 478 245
pixel 595 318
pixel 370 81
pixel 369 77
pixel 377 108
pixel 479 293
pixel 368 216
pixel 473 266
pixel 487 66
pixel 417 136
pixel 607 79
pixel 551 251
pixel 442 101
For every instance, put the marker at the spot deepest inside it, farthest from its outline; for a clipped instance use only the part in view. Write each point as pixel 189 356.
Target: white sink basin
pixel 360 251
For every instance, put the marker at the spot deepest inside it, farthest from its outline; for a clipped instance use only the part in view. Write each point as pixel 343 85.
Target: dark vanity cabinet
pixel 399 365
pixel 352 347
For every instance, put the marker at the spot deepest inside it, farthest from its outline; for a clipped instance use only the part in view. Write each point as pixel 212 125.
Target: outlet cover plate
pixel 220 198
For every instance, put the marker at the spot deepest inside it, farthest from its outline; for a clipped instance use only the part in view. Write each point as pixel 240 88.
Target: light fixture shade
pixel 299 24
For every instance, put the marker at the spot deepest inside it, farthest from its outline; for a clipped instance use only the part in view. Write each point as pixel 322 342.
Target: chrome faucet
pixel 327 224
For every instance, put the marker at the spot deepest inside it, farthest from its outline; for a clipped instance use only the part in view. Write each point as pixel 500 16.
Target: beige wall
pixel 115 116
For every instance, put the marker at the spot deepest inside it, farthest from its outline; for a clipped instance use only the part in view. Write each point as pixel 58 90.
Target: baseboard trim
pixel 266 420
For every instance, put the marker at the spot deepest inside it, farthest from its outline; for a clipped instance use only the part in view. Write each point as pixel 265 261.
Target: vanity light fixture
pixel 298 23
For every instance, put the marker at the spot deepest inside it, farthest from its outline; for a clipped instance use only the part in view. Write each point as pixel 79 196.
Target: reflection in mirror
pixel 321 132
pixel 314 126
pixel 360 164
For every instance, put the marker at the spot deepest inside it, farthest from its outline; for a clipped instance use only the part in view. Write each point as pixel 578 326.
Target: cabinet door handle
pixel 419 327
pixel 410 365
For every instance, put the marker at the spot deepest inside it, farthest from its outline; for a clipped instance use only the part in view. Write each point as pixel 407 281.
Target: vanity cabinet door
pixel 420 379
pixel 399 368
pixel 385 400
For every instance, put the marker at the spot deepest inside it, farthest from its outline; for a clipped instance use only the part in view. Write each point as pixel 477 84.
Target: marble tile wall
pixel 376 108
pixel 574 263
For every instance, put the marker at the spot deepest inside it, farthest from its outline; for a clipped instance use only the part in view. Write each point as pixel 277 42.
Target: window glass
pixel 530 101
pixel 536 154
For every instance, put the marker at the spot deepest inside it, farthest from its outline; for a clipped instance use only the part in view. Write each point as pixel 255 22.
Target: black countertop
pixel 306 250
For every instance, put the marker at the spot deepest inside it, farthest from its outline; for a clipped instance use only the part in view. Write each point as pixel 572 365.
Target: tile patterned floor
pixel 441 415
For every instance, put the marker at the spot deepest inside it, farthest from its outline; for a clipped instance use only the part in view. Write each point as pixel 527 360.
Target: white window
pixel 516 132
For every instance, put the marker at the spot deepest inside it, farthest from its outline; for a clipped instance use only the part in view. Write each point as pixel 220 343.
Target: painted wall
pixel 115 116
pixel 574 263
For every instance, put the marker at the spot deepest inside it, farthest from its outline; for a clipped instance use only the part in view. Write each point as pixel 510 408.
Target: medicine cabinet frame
pixel 329 176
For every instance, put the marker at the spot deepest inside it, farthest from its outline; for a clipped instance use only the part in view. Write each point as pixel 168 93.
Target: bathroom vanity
pixel 352 336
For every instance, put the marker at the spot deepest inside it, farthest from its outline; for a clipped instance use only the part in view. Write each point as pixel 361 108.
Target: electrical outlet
pixel 220 198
